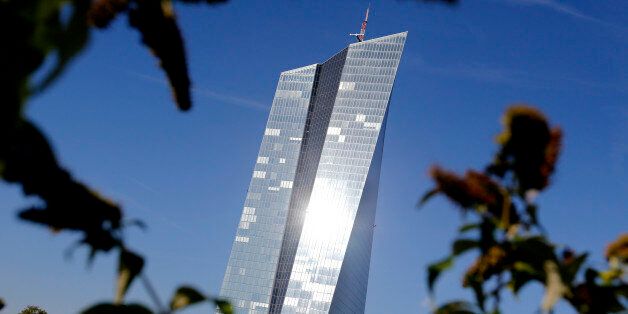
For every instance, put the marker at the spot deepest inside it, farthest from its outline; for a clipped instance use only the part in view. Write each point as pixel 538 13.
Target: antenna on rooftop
pixel 362 33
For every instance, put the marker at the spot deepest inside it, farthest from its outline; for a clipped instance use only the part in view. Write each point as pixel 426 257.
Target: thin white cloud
pixel 230 99
pixel 207 93
pixel 488 73
pixel 557 7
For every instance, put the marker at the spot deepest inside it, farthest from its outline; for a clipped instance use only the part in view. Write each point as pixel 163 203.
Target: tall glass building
pixel 303 243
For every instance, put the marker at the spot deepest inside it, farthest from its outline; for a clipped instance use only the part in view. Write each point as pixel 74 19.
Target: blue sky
pixel 113 123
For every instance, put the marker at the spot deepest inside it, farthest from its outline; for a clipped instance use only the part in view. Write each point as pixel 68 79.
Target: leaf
pixel 478 290
pixel 130 265
pixel 521 274
pixel 554 287
pixel 457 307
pixel 108 308
pixel 224 306
pixel 434 270
pixel 156 22
pixel 427 196
pixel 532 210
pixel 462 245
pixel 184 297
pixel 534 251
pixel 102 12
pixel 68 42
pixel 468 227
pixel 570 270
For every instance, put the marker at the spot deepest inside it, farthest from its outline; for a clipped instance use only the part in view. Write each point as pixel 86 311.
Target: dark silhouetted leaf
pixel 156 22
pixel 478 291
pixel 457 307
pixel 533 251
pixel 108 308
pixel 130 265
pixel 68 204
pixel 434 270
pixel 518 280
pixel 186 296
pixel 570 270
pixel 68 41
pixel 102 12
pixel 427 196
pixel 462 245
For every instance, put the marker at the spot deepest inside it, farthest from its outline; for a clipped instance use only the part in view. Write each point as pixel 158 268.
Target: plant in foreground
pixel 504 230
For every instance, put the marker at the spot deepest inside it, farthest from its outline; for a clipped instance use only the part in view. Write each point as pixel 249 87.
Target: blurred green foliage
pixel 31 309
pixel 511 246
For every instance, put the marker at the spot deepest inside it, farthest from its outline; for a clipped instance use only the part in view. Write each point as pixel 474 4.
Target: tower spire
pixel 360 36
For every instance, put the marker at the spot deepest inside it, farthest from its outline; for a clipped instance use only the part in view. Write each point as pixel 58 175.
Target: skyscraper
pixel 303 244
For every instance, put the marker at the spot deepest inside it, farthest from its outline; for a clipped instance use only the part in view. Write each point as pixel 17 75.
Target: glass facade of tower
pixel 304 240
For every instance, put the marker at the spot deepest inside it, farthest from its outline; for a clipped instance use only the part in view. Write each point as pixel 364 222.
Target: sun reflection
pixel 327 215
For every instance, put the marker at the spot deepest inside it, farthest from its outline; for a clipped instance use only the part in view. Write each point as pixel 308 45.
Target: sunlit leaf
pixel 184 297
pixel 108 308
pixel 435 270
pixel 224 306
pixel 130 265
pixel 618 249
pixel 554 286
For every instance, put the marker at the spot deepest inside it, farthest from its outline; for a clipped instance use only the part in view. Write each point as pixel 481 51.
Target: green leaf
pixel 224 306
pixel 184 297
pixel 427 196
pixel 434 270
pixel 469 227
pixel 108 308
pixel 130 265
pixel 462 245
pixel 457 307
